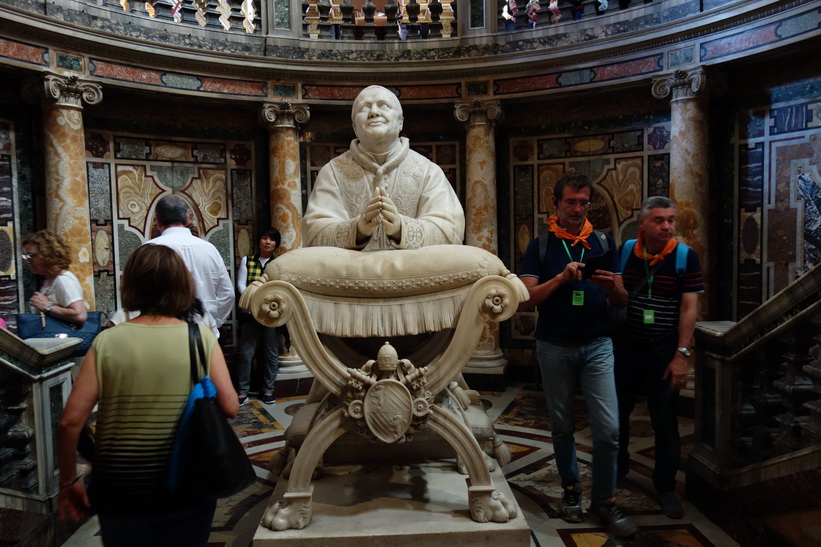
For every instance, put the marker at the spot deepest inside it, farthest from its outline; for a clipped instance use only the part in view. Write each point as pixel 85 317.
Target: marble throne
pixel 386 335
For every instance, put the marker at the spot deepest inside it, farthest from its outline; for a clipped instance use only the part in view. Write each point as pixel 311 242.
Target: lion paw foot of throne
pixel 292 512
pixel 488 504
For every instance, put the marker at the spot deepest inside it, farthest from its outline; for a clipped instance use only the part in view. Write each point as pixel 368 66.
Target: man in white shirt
pixel 214 287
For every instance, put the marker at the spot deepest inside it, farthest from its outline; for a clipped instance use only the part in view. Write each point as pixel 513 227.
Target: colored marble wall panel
pixel 348 93
pixel 127 73
pixel 634 67
pixel 20 51
pixel 519 85
pixel 234 87
pixel 448 91
pixel 738 43
pixel 70 62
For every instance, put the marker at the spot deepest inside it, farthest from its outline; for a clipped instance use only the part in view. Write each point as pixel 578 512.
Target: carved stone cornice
pixel 71 90
pixel 285 114
pixel 684 84
pixel 478 112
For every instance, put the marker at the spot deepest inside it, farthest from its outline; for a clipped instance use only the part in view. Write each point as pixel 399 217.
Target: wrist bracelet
pixel 70 484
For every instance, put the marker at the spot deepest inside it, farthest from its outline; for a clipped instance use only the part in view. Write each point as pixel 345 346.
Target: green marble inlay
pixel 477 89
pixel 288 91
pixel 69 62
pixel 576 77
pixel 181 81
pixel 173 176
pixel 807 22
pixel 681 57
pixel 282 14
pixel 128 242
pixel 220 238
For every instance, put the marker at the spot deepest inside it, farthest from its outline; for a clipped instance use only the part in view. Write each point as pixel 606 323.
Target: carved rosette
pixel 682 84
pixel 478 112
pixel 71 91
pixel 285 114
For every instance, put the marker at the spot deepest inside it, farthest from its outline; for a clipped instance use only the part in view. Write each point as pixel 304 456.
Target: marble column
pixel 479 118
pixel 67 207
pixel 285 183
pixel 689 177
pixel 285 188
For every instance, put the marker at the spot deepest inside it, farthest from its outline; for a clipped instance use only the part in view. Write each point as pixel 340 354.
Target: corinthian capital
pixel 285 114
pixel 478 111
pixel 683 84
pixel 71 90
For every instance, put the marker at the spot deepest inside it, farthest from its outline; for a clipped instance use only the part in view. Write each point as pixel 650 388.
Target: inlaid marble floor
pixel 520 415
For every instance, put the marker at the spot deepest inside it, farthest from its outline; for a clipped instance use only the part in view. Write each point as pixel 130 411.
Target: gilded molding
pixel 71 90
pixel 683 84
pixel 285 114
pixel 478 112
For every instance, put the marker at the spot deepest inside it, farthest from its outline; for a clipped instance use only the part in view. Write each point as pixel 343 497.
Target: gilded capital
pixel 71 90
pixel 478 112
pixel 684 84
pixel 285 114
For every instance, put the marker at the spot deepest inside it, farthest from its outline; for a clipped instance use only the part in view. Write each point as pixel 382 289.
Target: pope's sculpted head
pixel 377 118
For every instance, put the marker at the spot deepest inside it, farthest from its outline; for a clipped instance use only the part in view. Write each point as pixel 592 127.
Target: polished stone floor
pixel 521 419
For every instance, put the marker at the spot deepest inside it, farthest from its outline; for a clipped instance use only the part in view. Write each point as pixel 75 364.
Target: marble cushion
pixel 332 271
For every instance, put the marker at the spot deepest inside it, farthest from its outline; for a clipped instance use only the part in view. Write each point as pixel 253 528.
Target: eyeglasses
pixel 583 203
pixel 28 256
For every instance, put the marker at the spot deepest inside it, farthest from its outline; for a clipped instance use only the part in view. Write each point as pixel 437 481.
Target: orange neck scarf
pixel 640 251
pixel 561 233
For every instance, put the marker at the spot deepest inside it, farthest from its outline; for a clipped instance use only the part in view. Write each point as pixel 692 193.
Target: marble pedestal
pixel 400 505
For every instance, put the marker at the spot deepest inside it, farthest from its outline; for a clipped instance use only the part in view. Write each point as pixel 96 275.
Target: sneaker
pixel 671 506
pixel 571 508
pixel 243 399
pixel 618 524
pixel 268 398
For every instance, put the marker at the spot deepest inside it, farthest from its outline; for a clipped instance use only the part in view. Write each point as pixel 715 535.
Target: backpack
pixel 681 255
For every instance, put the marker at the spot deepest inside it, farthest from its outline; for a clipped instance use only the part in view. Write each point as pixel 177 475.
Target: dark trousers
pixel 639 368
pixel 189 526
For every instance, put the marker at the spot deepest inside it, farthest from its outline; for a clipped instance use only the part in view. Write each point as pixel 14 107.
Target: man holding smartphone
pixel 574 348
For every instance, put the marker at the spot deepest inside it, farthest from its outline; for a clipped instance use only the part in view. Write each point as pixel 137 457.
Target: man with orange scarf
pixel 653 346
pixel 574 348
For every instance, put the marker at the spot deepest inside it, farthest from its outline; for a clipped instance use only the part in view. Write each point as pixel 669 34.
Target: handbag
pixel 208 459
pixel 41 325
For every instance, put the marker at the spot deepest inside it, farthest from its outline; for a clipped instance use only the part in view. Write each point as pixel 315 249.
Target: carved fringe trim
pixel 392 317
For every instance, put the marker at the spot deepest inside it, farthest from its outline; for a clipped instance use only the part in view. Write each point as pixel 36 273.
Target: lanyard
pixel 581 258
pixel 650 278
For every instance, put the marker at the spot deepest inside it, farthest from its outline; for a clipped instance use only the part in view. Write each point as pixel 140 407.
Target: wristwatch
pixel 684 351
pixel 48 308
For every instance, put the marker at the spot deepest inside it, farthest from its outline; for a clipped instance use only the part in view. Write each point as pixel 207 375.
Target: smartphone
pixel 600 262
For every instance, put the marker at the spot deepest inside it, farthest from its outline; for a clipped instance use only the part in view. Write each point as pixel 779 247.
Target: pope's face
pixel 376 119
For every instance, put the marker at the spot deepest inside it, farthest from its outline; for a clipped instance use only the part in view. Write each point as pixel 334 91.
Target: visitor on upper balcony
pixel 509 12
pixel 532 11
pixel 578 9
pixel 555 12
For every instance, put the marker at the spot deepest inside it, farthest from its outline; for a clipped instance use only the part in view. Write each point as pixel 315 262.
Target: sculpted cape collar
pixel 368 162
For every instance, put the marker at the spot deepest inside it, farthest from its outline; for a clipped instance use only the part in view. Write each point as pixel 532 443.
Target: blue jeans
pixel 590 368
pixel 253 336
pixel 640 366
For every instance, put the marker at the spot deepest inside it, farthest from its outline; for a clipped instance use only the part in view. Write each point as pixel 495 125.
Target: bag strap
pixel 681 258
pixel 543 240
pixel 195 347
pixel 192 354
